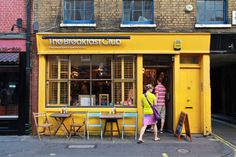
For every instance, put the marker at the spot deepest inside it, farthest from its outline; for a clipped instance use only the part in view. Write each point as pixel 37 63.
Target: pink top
pixel 160 92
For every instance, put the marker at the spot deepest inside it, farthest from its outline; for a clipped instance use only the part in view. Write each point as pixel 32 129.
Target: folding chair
pixel 41 123
pixel 78 122
pixel 94 121
pixel 130 120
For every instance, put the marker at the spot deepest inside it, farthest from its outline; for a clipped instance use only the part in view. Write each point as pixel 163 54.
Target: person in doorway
pixel 160 92
pixel 148 117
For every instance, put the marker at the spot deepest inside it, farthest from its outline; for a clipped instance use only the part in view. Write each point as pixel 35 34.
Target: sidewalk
pixel 28 146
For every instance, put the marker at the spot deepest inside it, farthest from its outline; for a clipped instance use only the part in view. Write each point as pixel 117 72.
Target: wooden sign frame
pixel 103 99
pixel 183 120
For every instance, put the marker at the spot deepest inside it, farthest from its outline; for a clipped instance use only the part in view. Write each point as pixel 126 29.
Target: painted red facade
pixel 10 11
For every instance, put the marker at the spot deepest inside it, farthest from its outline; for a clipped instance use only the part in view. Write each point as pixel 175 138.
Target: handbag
pixel 155 112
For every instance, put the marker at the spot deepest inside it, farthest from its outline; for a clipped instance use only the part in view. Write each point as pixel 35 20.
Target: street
pixel 169 146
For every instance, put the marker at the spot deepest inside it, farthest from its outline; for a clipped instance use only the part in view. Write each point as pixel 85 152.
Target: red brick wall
pixel 10 10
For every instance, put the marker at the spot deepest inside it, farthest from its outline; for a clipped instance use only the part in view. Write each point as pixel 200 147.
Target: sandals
pixel 140 141
pixel 157 139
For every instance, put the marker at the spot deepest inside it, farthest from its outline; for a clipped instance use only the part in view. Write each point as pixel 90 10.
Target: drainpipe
pixel 27 68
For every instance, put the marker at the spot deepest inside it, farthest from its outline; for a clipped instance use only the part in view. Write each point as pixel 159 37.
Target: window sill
pixel 78 25
pixel 137 25
pixel 213 25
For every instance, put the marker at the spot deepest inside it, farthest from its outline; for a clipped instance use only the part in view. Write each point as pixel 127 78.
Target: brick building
pixel 14 110
pixel 153 36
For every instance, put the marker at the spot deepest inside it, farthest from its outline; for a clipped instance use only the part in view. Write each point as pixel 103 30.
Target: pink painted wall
pixel 10 10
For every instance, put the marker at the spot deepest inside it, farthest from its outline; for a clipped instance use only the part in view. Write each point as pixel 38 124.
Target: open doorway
pixel 153 67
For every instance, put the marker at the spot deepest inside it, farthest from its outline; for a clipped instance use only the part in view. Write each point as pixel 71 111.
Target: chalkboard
pixel 183 120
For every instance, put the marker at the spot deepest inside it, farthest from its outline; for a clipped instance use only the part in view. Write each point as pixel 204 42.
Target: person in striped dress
pixel 160 92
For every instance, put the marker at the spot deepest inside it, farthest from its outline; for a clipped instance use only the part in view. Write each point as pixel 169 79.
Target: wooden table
pixel 60 118
pixel 111 118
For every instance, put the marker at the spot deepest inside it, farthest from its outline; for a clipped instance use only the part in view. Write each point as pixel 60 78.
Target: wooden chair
pixel 78 121
pixel 41 123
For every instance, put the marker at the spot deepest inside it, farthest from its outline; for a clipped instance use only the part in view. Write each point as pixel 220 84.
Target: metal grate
pixel 81 146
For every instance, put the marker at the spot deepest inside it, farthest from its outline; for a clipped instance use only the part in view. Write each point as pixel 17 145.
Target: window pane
pixel 137 4
pixel 101 67
pixel 211 11
pixel 101 87
pixel 128 67
pixel 63 93
pixel 138 10
pixel 137 15
pixel 210 5
pixel 117 67
pixel 53 67
pixel 78 9
pixel 80 67
pixel 210 16
pixel 68 9
pixel 219 5
pixel 127 15
pixel 117 93
pixel 64 69
pixel 189 59
pixel 74 91
pixel 129 94
pixel 52 92
pixel 219 16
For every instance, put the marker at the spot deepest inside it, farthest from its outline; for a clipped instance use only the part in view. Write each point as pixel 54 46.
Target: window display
pixel 69 78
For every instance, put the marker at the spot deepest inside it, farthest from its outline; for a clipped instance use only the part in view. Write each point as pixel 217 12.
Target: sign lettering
pixel 80 43
pixel 10 49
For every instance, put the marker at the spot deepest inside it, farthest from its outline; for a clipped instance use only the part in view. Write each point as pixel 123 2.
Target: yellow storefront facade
pixel 111 69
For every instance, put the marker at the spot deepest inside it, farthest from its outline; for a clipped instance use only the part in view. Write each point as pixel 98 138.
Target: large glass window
pixel 78 11
pixel 138 12
pixel 211 11
pixel 91 80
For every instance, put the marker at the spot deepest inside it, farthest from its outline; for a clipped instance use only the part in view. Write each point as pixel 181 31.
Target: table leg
pixel 105 127
pixel 60 122
pixel 65 127
pixel 111 129
pixel 118 128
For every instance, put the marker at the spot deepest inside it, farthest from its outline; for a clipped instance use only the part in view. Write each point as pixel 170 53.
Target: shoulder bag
pixel 155 112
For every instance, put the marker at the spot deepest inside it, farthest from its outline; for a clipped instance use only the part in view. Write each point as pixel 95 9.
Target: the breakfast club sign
pixel 82 43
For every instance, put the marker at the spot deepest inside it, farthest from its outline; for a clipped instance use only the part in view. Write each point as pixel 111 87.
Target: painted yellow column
pixel 176 90
pixel 42 85
pixel 139 89
pixel 206 95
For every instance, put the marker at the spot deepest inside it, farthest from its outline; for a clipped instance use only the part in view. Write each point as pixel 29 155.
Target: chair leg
pixel 87 134
pixel 49 130
pixel 38 134
pixel 70 132
pixel 122 133
pixel 101 134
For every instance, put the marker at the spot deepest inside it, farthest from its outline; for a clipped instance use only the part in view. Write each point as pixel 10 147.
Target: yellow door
pixel 190 96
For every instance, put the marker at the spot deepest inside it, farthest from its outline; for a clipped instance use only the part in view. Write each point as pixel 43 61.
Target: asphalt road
pixel 169 146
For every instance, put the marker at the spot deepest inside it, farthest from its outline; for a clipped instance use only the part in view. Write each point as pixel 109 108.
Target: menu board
pixel 183 120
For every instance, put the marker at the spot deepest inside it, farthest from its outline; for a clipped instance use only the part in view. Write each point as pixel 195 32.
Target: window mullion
pixel 69 81
pixel 112 81
pixel 122 80
pixel 58 83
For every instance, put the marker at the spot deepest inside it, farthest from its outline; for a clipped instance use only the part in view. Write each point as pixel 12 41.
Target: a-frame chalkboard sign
pixel 183 120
